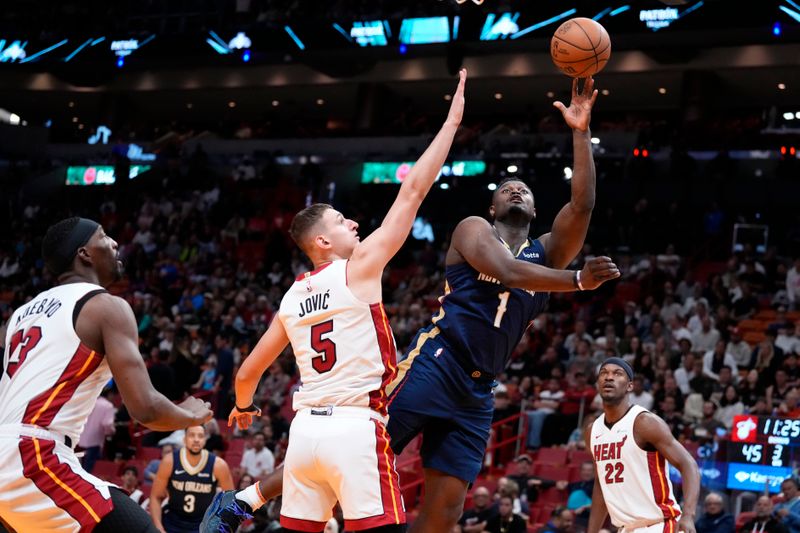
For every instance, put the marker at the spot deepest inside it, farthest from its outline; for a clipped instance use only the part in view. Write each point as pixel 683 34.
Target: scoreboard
pixel 761 452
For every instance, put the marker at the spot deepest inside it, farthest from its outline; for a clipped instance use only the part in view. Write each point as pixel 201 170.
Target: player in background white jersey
pixel 632 450
pixel 333 317
pixel 61 348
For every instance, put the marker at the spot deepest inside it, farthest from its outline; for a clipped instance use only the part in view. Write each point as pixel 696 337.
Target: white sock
pixel 252 496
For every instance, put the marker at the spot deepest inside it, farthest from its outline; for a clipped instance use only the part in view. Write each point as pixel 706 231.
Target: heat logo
pixel 744 428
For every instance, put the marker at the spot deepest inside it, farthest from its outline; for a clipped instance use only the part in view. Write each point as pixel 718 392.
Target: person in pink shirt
pixel 99 425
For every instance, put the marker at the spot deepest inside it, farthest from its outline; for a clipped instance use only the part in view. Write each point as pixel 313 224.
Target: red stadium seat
pixel 574 473
pixel 236 446
pixel 553 456
pixel 576 457
pixel 551 472
pixel 105 469
pixel 147 454
pixel 554 496
pixel 490 484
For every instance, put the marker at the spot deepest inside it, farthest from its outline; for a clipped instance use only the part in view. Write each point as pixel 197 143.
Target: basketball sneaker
pixel 225 514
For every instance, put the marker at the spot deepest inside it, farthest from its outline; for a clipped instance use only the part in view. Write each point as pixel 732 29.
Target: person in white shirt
pixel 706 338
pixel 571 342
pixel 715 359
pixel 787 339
pixel 258 461
pixel 639 396
pixel 547 404
pixel 670 308
pixel 130 482
pixel 739 349
pixel 793 285
pixel 678 331
pixel 685 374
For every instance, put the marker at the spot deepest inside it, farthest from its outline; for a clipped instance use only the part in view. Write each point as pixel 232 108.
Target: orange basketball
pixel 580 47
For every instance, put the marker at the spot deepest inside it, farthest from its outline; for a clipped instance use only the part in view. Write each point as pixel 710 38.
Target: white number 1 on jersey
pixel 501 308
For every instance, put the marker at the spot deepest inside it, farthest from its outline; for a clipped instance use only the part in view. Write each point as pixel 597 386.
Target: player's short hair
pixel 791 480
pixel 305 220
pixel 511 178
pixel 130 468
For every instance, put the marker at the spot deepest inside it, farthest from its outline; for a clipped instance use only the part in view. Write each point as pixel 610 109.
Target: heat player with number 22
pixel 632 450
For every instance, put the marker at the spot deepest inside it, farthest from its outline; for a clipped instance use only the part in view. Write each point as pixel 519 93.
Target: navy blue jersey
pixel 481 319
pixel 191 489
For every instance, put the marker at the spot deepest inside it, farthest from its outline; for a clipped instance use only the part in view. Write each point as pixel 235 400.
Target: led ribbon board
pixel 392 172
pixel 99 174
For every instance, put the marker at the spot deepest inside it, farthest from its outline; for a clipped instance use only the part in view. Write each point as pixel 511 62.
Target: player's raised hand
pixel 597 271
pixel 579 113
pixel 200 410
pixel 243 419
pixel 457 104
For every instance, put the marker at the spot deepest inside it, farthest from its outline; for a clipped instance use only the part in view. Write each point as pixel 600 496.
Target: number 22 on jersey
pixel 614 473
pixel 22 342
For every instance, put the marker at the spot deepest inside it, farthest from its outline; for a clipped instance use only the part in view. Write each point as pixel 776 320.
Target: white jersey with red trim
pixel 635 482
pixel 50 379
pixel 344 347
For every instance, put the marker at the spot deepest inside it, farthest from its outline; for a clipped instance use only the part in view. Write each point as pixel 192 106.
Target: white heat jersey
pixel 50 379
pixel 635 482
pixel 344 347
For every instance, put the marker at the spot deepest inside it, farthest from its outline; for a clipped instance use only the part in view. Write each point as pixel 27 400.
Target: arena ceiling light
pixel 15 51
pixel 240 42
pixel 215 42
pixel 544 23
pixel 40 53
pixel 80 48
pixel 367 33
pixel 295 38
pixel 501 27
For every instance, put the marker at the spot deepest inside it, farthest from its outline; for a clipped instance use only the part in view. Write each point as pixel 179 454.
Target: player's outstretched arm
pixel 370 258
pixel 566 237
pixel 159 491
pixel 119 339
pixel 649 429
pixel 477 243
pixel 269 347
pixel 599 511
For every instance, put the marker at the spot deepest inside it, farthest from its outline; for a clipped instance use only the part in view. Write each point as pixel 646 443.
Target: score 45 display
pixel 761 452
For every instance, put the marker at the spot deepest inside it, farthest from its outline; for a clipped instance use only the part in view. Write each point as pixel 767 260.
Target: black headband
pixel 61 258
pixel 620 363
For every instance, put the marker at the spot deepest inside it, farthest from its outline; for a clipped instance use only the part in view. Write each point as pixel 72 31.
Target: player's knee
pixel 445 511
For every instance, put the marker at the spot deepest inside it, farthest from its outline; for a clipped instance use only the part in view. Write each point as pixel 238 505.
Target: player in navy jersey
pixel 189 477
pixel 493 277
pixel 493 290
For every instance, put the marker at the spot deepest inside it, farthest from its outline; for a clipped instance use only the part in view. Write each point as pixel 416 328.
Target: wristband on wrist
pixel 578 283
pixel 249 409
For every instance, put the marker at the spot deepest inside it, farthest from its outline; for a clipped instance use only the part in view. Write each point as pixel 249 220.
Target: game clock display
pixel 761 451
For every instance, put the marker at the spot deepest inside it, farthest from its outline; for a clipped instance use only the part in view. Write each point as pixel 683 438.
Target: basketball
pixel 580 47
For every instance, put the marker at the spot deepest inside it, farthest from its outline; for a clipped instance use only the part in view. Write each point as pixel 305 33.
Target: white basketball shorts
pixel 44 488
pixel 340 454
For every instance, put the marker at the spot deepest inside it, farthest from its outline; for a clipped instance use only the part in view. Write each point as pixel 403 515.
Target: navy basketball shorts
pixel 433 395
